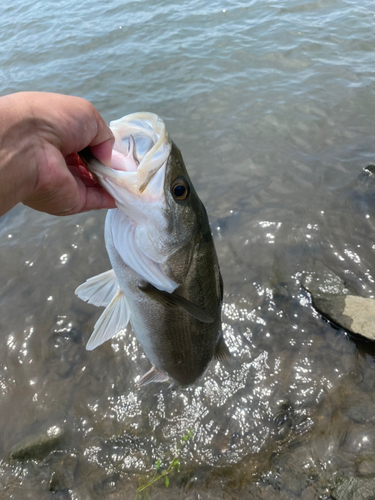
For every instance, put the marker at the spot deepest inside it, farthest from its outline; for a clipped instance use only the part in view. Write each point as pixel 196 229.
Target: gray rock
pixel 370 168
pixel 37 446
pixel 355 488
pixel 333 299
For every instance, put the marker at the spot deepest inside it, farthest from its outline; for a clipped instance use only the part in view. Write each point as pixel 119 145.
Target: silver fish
pixel 165 278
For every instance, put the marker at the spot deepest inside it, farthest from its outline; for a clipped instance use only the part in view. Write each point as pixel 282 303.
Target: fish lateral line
pixel 172 299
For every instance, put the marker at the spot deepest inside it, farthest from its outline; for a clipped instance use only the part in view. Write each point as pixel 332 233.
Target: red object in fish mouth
pixel 78 169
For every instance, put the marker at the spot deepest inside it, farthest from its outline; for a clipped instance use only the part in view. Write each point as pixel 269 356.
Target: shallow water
pixel 272 106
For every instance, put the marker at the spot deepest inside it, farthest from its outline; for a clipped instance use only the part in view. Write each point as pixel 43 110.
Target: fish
pixel 165 278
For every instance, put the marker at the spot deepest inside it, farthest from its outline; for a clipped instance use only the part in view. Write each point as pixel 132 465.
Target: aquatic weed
pixel 163 473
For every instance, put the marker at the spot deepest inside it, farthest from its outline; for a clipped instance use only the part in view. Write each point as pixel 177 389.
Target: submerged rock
pixel 340 305
pixel 355 488
pixel 365 465
pixel 63 473
pixel 37 446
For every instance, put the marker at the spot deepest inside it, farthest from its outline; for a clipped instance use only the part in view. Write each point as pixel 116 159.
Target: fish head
pixel 187 221
pixel 153 192
pixel 135 177
pixel 182 202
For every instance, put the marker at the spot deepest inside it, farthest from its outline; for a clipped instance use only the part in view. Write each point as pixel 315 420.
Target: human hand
pixel 40 134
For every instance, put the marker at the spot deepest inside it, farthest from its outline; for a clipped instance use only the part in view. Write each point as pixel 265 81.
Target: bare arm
pixel 39 136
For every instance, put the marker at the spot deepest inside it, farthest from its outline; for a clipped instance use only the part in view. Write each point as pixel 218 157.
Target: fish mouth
pixel 142 147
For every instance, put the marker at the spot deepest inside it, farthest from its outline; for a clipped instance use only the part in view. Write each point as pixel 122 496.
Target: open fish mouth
pixel 141 149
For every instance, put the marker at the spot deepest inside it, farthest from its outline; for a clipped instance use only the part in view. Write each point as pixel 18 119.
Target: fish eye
pixel 180 189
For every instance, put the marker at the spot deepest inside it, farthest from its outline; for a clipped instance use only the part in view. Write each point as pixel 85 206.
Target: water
pixel 272 106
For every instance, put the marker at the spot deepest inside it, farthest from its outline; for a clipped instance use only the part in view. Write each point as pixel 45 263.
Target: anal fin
pixel 153 375
pixel 222 352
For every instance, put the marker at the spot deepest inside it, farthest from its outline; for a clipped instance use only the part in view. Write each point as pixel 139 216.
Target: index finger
pixel 71 124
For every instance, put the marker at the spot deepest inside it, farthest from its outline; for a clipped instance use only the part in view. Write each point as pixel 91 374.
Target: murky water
pixel 272 106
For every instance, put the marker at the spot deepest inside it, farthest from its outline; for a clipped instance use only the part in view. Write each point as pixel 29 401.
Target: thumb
pixel 103 151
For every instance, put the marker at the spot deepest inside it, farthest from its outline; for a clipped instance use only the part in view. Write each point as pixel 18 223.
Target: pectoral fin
pixel 152 375
pixel 114 318
pixel 98 290
pixel 172 300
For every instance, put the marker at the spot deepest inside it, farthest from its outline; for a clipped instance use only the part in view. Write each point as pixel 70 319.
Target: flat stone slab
pixel 331 298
